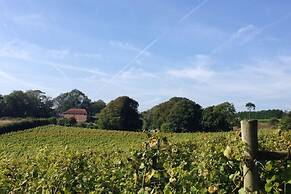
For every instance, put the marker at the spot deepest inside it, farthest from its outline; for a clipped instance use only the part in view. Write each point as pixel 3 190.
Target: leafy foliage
pixel 120 114
pixel 32 103
pixel 67 122
pixel 96 107
pixel 179 114
pixel 285 122
pixel 25 124
pixel 263 114
pixel 166 163
pixel 72 99
pixel 219 118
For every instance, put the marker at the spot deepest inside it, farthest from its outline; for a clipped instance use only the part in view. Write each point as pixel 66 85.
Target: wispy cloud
pixel 153 42
pixel 261 80
pixel 199 70
pixel 11 78
pixel 137 73
pixel 54 58
pixel 248 33
pixel 127 46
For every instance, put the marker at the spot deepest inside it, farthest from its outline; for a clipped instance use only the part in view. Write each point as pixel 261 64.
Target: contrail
pixel 7 76
pixel 153 42
pixel 196 8
pixel 141 53
pixel 256 32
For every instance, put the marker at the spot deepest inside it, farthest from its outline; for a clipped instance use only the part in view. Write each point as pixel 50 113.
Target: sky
pixel 209 51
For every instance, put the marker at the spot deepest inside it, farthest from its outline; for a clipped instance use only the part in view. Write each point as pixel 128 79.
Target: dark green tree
pixel 120 114
pixel 2 106
pixel 221 117
pixel 262 114
pixel 179 114
pixel 72 99
pixel 285 123
pixel 33 103
pixel 185 115
pixel 40 105
pixel 17 104
pixel 96 107
pixel 250 106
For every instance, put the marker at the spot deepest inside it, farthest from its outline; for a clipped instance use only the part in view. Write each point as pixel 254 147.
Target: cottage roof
pixel 76 111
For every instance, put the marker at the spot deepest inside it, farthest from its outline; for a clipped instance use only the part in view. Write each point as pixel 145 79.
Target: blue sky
pixel 208 51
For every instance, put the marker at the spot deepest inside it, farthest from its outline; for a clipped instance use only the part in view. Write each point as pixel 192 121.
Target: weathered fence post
pixel 249 132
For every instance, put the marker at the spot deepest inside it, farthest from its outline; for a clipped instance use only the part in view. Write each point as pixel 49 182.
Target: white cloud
pixel 14 50
pixel 55 58
pixel 198 71
pixel 137 74
pixel 246 34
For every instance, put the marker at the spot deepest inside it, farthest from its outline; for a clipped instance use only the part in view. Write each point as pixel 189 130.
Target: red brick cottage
pixel 79 114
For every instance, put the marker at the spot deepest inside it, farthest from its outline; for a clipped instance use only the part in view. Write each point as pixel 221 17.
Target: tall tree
pixel 96 107
pixel 40 104
pixel 17 104
pixel 250 106
pixel 221 117
pixel 120 114
pixel 285 123
pixel 177 114
pixel 33 103
pixel 72 99
pixel 2 106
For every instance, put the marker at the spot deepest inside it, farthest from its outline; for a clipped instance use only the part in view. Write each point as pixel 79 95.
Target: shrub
pixel 166 127
pixel 67 122
pixel 274 122
pixel 285 123
pixel 25 124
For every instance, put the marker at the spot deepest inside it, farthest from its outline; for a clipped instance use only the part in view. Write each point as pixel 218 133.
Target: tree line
pixel 263 114
pixel 177 114
pixel 35 103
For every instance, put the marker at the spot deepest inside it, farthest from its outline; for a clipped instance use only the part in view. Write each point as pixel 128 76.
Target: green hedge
pixel 25 124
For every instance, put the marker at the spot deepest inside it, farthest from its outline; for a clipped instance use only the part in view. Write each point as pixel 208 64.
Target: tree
pixel 250 106
pixel 221 117
pixel 72 99
pixel 227 109
pixel 285 123
pixel 17 104
pixel 263 114
pixel 33 103
pixel 96 107
pixel 181 114
pixel 120 114
pixel 185 115
pixel 2 106
pixel 40 105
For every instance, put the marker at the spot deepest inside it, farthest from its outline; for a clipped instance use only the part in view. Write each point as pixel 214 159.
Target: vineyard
pixel 55 159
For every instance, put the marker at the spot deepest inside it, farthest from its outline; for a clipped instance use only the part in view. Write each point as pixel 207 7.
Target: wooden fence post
pixel 249 132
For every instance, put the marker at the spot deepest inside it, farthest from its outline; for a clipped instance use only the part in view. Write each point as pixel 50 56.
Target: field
pixel 57 159
pixel 4 122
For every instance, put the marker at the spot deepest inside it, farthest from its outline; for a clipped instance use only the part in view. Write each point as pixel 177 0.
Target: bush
pixel 285 123
pixel 67 122
pixel 166 127
pixel 274 122
pixel 25 124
